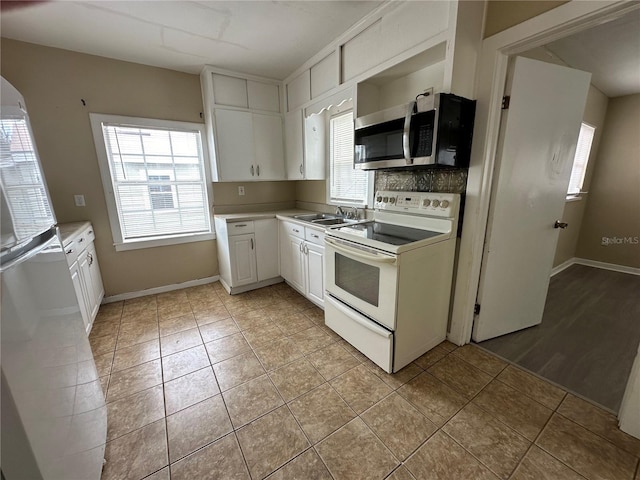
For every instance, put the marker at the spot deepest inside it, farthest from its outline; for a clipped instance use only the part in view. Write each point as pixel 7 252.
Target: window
pixel 156 180
pixel 347 185
pixel 583 149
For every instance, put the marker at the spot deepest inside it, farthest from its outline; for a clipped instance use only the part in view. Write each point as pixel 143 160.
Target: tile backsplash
pixel 451 180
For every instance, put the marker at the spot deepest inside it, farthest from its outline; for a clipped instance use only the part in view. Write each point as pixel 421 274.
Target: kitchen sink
pixel 315 217
pixel 330 221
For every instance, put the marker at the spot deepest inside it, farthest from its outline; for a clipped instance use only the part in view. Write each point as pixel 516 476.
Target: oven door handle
pixel 406 148
pixel 364 256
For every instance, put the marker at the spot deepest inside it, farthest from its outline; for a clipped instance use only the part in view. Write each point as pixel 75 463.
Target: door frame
pixel 491 74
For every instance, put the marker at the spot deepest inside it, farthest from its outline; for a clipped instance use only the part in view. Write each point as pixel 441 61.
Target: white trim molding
pixel 156 290
pixel 593 263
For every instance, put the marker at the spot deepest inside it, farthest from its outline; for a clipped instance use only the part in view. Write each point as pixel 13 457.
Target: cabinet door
pixel 294 142
pixel 87 284
pixel 266 235
pixel 243 259
pixel 293 262
pixel 315 272
pixel 74 270
pixel 263 96
pixel 269 149
pixel 299 91
pixel 315 147
pixel 229 91
pixel 234 145
pixel 96 278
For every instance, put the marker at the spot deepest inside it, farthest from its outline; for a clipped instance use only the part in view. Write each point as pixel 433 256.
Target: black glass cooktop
pixel 387 233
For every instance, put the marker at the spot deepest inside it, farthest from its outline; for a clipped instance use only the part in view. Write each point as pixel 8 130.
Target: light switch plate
pixel 241 191
pixel 79 199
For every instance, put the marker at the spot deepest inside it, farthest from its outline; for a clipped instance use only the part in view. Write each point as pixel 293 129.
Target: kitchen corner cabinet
pixel 305 140
pixel 84 269
pixel 302 260
pixel 244 126
pixel 247 253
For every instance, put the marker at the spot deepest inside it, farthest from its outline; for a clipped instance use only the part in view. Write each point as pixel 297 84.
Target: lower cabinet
pixel 84 269
pixel 247 253
pixel 302 260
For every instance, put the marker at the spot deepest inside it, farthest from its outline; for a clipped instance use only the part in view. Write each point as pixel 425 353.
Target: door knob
pixel 560 224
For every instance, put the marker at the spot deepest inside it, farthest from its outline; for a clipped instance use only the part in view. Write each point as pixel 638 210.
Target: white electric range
pixel 388 280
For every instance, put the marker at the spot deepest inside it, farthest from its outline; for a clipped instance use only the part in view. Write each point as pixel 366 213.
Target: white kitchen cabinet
pixel 324 75
pixel 247 253
pixel 242 256
pixel 249 146
pixel 302 260
pixel 299 91
pixel 263 96
pixel 84 269
pixel 294 142
pixel 230 91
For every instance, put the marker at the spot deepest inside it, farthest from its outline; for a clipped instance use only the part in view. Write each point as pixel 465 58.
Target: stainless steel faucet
pixel 339 211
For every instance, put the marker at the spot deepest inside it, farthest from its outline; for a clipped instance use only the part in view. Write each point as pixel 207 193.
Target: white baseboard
pixel 593 263
pixel 157 290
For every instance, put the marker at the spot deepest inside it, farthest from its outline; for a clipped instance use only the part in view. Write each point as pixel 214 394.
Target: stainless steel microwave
pixel 403 137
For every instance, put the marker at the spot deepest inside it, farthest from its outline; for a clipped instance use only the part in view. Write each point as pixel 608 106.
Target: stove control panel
pixel 420 203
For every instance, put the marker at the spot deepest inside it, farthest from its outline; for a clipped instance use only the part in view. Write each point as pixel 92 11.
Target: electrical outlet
pixel 79 199
pixel 241 191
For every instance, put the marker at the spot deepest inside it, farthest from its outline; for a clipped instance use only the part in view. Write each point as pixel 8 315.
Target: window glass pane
pixel 347 185
pixel 159 181
pixel 581 158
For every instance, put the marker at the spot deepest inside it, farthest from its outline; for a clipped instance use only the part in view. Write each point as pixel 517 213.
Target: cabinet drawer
pixel 89 236
pixel 72 251
pixel 314 236
pixel 293 229
pixel 240 228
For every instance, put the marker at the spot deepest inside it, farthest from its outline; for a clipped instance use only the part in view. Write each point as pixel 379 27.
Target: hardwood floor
pixel 588 337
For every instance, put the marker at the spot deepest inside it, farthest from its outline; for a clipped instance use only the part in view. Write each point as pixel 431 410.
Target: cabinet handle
pixel 237 225
pixel 258 170
pixel 306 249
pixel 315 236
pixel 252 170
pixel 90 232
pixel 90 258
pixel 301 172
pixel 81 240
pixel 252 244
pixel 70 251
pixel 296 230
pixel 301 247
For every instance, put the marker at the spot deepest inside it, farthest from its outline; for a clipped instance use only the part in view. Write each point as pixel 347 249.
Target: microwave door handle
pixel 405 133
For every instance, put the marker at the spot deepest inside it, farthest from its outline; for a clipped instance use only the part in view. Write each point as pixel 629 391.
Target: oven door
pixel 364 278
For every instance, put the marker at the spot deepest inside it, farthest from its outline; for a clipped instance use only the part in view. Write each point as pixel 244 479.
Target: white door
pixel 266 234
pixel 538 139
pixel 234 145
pixel 269 147
pixel 315 272
pixel 243 259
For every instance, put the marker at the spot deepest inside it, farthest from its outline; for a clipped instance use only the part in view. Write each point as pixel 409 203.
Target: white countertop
pixel 280 215
pixel 69 231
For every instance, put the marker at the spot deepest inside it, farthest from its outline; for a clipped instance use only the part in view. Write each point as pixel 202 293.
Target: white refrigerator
pixel 53 413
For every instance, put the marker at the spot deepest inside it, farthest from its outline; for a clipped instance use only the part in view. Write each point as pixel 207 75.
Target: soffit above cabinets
pixel 611 52
pixel 265 38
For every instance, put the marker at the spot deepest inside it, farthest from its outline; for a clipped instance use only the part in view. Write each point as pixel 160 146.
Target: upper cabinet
pixel 244 126
pixel 398 51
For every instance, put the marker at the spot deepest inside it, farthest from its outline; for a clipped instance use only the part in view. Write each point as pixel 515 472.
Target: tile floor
pixel 203 385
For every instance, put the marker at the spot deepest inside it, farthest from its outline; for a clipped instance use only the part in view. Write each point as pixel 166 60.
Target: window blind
pixel 581 158
pixel 158 180
pixel 22 180
pixel 347 185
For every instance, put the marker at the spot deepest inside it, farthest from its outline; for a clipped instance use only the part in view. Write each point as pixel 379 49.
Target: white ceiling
pixel 611 52
pixel 266 38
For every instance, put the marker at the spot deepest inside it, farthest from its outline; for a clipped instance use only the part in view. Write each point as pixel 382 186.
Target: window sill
pixel 573 198
pixel 163 241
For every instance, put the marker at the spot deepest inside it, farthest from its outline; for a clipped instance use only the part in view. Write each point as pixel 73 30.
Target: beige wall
pixel 594 115
pixel 501 15
pixel 311 191
pixel 613 202
pixel 257 196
